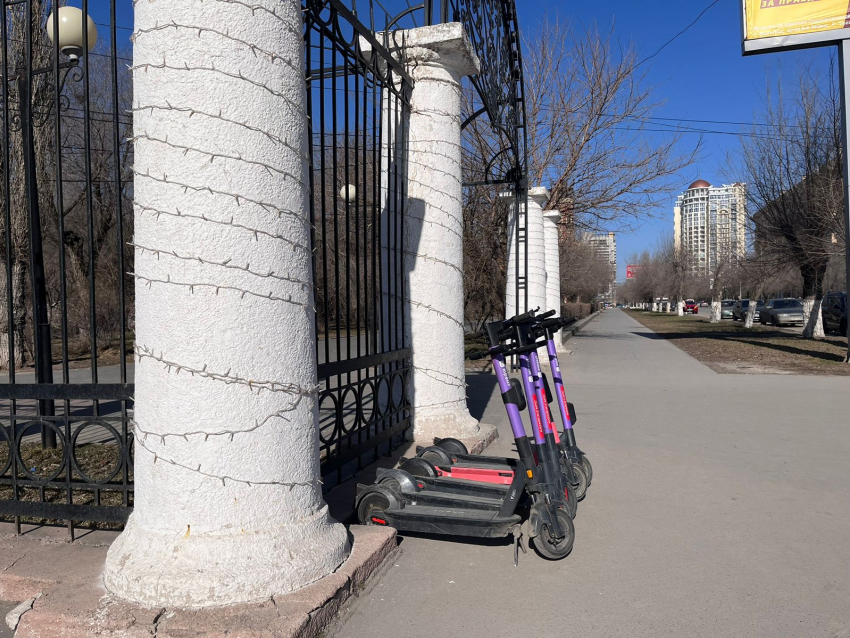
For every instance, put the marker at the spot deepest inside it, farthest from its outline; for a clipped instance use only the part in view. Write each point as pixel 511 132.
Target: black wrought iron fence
pixel 65 333
pixel 66 299
pixel 357 100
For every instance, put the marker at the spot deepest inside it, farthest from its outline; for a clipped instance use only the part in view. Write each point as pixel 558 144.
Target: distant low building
pixel 710 224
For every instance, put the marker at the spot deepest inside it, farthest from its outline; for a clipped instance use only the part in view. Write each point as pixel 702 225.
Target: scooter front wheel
pixel 553 548
pixel 588 469
pixel 581 475
pixel 571 500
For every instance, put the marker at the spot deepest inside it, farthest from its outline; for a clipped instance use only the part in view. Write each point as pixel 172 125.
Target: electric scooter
pixel 450 456
pixel 544 518
pixel 435 462
pixel 571 449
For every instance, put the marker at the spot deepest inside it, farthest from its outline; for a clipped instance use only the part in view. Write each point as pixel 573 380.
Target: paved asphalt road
pixel 697 523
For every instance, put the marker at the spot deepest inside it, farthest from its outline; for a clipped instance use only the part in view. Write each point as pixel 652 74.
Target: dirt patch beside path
pixel 729 348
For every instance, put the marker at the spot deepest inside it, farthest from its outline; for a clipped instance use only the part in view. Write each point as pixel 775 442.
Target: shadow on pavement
pixel 480 387
pixel 754 339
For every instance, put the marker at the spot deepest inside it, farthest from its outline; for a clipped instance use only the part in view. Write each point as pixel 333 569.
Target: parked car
pixel 780 312
pixel 834 312
pixel 739 312
pixel 691 307
pixel 726 307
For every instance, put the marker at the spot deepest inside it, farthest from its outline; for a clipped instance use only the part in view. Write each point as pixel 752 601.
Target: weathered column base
pixel 455 425
pixel 204 570
pixel 75 606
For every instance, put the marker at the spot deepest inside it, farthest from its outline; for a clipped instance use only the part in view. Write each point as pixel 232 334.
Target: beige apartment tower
pixel 710 224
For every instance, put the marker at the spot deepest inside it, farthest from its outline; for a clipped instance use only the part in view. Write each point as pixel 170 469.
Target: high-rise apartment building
pixel 605 247
pixel 710 224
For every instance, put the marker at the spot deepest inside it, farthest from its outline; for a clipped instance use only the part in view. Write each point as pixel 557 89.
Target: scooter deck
pixel 462 486
pixel 476 460
pixel 432 498
pixel 447 520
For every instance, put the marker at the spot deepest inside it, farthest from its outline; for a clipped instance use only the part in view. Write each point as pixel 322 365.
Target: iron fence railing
pixel 66 190
pixel 65 327
pixel 357 101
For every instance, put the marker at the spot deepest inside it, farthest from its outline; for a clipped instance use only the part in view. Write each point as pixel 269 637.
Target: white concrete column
pixel 537 198
pixel 437 58
pixel 514 257
pixel 553 261
pixel 536 246
pixel 228 505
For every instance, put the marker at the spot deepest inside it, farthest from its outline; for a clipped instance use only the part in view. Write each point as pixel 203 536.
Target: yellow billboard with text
pixel 779 18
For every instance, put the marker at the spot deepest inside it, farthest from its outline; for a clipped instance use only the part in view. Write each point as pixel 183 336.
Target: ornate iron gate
pixel 65 333
pixel 357 102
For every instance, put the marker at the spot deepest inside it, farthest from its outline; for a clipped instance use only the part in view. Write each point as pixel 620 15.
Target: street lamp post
pixel 68 35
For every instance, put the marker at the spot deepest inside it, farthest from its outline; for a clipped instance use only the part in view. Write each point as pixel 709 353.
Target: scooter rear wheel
pixel 373 504
pixel 552 548
pixel 453 446
pixel 419 466
pixel 588 469
pixel 436 455
pixel 390 482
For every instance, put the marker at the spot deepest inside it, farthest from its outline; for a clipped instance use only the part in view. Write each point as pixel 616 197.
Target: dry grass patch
pixel 728 347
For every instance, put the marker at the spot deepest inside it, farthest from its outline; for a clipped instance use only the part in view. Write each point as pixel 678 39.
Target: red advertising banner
pixel 632 271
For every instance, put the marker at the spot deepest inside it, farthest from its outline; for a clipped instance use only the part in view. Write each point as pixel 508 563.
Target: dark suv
pixel 834 312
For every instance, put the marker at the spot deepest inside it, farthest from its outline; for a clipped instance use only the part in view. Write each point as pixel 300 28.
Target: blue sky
pixel 701 75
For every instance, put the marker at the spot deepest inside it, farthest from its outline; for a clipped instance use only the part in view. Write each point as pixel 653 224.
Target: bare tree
pixel 794 181
pixel 588 102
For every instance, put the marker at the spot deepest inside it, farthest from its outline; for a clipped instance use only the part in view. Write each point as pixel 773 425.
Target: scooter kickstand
pixel 519 543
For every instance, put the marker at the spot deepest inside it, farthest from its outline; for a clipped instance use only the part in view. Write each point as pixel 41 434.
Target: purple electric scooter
pixel 439 508
pixel 453 453
pixel 570 449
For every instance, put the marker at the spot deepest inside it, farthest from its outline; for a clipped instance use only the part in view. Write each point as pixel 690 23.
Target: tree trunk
pixel 812 297
pixel 812 317
pixel 751 310
pixel 19 309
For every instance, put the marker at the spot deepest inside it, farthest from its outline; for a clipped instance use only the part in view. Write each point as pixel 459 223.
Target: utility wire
pixel 682 32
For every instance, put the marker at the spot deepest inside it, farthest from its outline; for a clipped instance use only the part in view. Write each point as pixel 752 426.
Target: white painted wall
pixel 228 505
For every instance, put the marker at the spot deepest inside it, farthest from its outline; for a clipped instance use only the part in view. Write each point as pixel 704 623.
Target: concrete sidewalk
pixel 698 523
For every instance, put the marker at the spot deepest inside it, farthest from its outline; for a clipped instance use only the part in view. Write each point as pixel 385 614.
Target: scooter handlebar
pixel 545 315
pixel 557 323
pixel 526 316
pixel 475 356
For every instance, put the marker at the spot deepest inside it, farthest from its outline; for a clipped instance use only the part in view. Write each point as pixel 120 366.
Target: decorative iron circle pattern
pixel 116 442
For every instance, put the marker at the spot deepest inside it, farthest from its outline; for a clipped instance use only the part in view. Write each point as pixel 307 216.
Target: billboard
pixel 632 271
pixel 790 24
